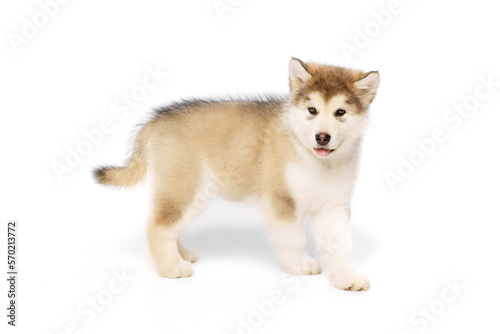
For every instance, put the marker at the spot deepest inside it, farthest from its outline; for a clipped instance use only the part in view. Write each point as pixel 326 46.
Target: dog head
pixel 328 106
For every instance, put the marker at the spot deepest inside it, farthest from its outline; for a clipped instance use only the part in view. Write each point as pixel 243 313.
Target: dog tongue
pixel 322 152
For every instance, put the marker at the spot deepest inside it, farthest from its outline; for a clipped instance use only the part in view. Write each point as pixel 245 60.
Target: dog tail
pixel 134 170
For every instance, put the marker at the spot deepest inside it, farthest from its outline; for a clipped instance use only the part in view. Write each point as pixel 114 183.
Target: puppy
pixel 296 155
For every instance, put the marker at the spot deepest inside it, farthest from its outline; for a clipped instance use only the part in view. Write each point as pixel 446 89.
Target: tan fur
pixel 239 149
pixel 231 138
pixel 135 168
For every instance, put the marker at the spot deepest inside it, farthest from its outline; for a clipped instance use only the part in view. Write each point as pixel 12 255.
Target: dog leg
pixel 289 241
pixel 331 228
pixel 187 254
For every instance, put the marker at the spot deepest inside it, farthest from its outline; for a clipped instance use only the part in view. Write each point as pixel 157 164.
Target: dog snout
pixel 323 138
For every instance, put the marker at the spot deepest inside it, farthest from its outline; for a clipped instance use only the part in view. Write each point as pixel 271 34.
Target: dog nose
pixel 323 138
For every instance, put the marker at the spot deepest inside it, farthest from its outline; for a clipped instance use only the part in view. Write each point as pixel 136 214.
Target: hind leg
pixel 170 215
pixel 179 197
pixel 170 257
pixel 162 239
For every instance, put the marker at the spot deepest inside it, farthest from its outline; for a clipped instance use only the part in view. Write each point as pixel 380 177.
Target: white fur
pixel 322 189
pixel 369 83
pixel 298 74
pixel 289 240
pixel 345 134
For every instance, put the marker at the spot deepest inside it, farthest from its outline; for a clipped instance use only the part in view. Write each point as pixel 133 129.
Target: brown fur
pixel 330 81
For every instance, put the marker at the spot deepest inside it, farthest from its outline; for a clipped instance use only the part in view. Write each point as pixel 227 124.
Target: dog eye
pixel 340 112
pixel 312 111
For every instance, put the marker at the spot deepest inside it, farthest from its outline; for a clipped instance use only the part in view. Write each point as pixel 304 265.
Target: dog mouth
pixel 323 152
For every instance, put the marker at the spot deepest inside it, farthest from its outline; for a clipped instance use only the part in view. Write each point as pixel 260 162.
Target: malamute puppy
pixel 297 156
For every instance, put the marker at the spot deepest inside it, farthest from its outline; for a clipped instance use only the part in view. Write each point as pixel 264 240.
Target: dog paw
pixel 180 270
pixel 304 266
pixel 189 255
pixel 349 280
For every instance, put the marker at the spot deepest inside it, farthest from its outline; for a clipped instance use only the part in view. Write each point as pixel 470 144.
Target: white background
pixel 440 224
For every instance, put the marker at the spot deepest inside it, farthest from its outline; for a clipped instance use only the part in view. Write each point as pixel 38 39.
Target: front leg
pixel 288 238
pixel 331 228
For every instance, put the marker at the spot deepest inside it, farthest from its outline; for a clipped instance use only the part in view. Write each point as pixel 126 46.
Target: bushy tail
pixel 133 171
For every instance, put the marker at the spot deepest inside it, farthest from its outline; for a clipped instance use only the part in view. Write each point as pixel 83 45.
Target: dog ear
pixel 367 85
pixel 298 73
